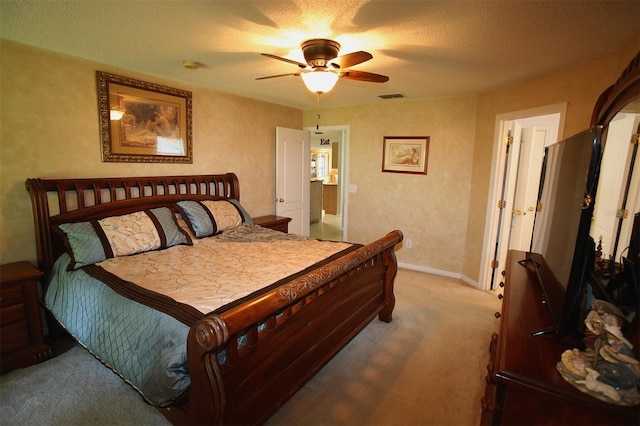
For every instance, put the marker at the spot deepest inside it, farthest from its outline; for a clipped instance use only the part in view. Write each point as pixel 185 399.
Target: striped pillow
pixel 97 240
pixel 211 217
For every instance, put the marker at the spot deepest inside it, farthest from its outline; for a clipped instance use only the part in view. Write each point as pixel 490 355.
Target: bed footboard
pixel 291 332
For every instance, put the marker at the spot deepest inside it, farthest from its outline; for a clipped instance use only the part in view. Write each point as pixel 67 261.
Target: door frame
pixel 343 170
pixel 492 222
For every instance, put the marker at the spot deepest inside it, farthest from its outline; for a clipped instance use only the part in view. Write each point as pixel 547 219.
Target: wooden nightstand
pixel 278 223
pixel 21 338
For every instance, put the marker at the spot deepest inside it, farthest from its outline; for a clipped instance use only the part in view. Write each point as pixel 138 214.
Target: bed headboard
pixel 56 201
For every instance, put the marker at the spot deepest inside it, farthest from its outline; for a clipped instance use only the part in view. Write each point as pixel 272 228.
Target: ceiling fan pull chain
pixel 317 111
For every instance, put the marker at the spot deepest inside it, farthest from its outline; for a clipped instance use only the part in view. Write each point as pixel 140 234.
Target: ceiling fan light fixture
pixel 320 81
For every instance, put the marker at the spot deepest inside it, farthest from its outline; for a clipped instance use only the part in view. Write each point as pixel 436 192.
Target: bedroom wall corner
pixel 579 85
pixel 49 129
pixel 432 210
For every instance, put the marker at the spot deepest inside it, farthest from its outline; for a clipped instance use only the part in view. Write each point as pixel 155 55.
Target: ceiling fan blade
pixel 364 76
pixel 291 61
pixel 295 74
pixel 351 59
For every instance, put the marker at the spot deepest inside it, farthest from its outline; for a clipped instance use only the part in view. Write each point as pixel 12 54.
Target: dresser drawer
pixel 11 314
pixel 10 294
pixel 14 337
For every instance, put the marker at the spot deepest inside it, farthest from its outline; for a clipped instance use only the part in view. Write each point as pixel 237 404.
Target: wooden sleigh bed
pixel 272 341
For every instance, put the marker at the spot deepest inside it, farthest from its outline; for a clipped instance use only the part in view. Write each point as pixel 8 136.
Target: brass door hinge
pixel 494 264
pixel 502 204
pixel 508 140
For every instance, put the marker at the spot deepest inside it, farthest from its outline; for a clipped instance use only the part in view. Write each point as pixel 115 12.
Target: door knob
pixel 281 200
pixel 516 212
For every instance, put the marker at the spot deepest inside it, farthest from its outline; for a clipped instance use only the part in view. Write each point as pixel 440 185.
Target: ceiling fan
pixel 324 66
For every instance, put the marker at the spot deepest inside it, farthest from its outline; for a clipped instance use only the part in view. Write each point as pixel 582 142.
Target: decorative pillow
pixel 209 217
pixel 184 227
pixel 97 240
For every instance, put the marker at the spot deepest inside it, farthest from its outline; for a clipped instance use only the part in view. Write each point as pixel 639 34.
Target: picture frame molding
pixel 415 158
pixel 111 136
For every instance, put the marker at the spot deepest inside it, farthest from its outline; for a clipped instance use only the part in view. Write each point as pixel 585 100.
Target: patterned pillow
pixel 97 240
pixel 209 217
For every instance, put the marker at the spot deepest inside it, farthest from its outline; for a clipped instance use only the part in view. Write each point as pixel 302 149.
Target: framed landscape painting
pixel 143 122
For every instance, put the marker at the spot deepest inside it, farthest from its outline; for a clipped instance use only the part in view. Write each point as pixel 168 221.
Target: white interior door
pixel 616 163
pixel 507 171
pixel 523 181
pixel 292 178
pixel 532 143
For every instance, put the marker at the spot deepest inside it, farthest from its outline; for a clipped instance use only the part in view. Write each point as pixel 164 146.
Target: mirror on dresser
pixel 615 227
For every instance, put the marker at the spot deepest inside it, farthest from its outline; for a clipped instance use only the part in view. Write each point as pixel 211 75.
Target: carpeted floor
pixel 427 367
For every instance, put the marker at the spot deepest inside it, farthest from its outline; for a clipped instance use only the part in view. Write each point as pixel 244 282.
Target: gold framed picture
pixel 405 154
pixel 143 122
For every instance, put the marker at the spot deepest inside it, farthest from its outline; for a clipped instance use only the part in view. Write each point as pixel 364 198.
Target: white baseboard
pixel 440 272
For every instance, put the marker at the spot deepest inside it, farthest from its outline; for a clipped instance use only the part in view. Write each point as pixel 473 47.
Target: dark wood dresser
pixel 21 337
pixel 523 385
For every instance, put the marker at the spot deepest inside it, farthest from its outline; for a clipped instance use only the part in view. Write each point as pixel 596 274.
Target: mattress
pixel 134 312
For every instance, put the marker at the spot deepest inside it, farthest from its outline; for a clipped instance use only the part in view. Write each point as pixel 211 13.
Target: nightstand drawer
pixel 277 223
pixel 21 339
pixel 12 314
pixel 10 295
pixel 13 337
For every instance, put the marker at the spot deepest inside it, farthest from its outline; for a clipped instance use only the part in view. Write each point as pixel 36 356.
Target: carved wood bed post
pixel 392 269
pixel 40 209
pixel 207 398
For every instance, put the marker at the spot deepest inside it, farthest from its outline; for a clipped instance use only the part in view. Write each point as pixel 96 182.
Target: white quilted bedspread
pixel 212 273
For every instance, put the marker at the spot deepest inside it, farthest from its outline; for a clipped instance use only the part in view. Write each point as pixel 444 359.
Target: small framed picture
pixel 405 154
pixel 143 122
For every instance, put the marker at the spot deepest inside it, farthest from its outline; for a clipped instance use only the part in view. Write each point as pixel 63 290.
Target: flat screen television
pixel 560 244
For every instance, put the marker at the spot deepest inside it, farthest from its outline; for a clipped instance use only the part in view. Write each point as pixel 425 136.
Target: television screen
pixel 561 224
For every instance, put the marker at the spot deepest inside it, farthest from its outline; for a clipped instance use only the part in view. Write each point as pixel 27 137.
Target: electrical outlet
pixel 408 243
pixel 353 188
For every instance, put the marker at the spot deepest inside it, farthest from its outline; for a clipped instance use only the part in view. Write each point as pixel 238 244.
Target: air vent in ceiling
pixel 391 96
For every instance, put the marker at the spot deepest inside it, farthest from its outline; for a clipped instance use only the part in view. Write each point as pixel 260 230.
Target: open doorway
pixel 515 175
pixel 328 175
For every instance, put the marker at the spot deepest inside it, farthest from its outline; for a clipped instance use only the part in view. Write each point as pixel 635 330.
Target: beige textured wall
pixel 444 212
pixel 579 85
pixel 49 128
pixel 430 210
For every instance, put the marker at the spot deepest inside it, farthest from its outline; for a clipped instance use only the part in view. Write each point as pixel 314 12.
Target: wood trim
pixel 74 200
pixel 616 96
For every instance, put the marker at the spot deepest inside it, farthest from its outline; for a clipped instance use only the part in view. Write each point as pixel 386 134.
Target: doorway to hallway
pixel 515 175
pixel 329 178
pixel 329 228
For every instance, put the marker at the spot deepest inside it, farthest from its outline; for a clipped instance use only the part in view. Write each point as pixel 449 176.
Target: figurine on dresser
pixel 601 315
pixel 607 369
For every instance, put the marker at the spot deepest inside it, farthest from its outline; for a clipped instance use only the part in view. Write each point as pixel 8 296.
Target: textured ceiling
pixel 427 48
